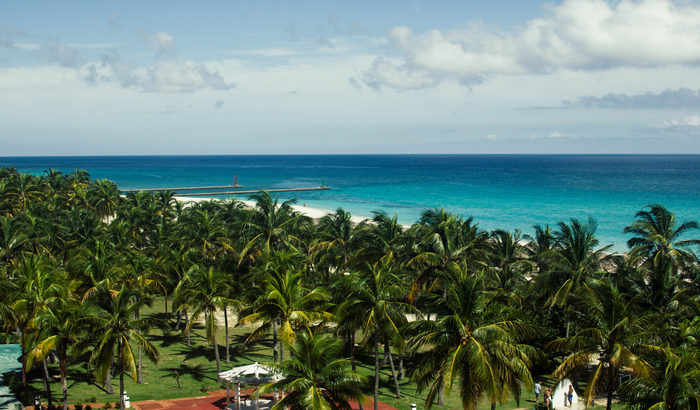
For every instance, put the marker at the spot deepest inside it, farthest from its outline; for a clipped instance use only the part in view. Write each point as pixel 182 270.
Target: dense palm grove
pixel 475 313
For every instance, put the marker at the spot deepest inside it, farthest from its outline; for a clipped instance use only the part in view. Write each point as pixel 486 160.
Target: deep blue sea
pixel 500 191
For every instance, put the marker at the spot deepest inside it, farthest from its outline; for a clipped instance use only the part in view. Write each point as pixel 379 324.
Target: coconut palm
pixel 385 235
pixel 273 225
pixel 315 377
pixel 613 329
pixel 657 232
pixel 674 385
pixel 285 305
pixel 471 345
pixel 22 189
pixel 337 231
pixel 12 239
pixel 204 292
pixel 443 240
pixel 508 259
pixel 118 333
pixel 205 232
pixel 378 298
pixel 60 324
pixel 38 281
pixel 103 197
pixel 577 256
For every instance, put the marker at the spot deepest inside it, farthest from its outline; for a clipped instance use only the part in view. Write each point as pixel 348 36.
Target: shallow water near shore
pixel 500 191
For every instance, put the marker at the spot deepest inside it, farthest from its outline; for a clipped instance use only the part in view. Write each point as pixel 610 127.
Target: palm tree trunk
pixel 352 352
pixel 281 352
pixel 401 368
pixel 611 386
pixel 21 344
pixel 47 384
pixel 216 355
pixel 274 341
pixel 386 353
pixel 108 379
pixel 188 333
pixel 441 397
pixel 122 405
pixel 165 294
pixel 376 373
pixel 393 376
pixel 139 373
pixel 228 359
pixel 63 365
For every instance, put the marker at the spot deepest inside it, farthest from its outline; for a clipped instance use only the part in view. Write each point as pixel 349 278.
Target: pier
pixel 255 191
pixel 190 188
pixel 323 187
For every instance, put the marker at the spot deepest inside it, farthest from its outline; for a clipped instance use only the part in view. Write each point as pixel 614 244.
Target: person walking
pixel 570 395
pixel 538 389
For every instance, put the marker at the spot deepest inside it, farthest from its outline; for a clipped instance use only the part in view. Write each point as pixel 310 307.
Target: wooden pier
pixel 254 191
pixel 191 188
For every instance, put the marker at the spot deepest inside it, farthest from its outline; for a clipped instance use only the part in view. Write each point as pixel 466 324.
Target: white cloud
pixel 55 51
pixel 683 98
pixel 577 34
pixel 686 127
pixel 384 72
pixel 171 76
pixel 7 35
pixel 162 43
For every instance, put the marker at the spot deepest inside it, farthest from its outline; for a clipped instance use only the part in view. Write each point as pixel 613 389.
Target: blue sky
pixel 273 77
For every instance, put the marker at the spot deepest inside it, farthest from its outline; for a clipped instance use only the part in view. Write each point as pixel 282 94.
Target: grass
pixel 196 367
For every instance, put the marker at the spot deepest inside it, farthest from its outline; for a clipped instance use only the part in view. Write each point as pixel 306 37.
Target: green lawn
pixel 196 368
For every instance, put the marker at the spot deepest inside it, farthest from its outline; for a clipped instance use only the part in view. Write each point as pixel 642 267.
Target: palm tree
pixel 378 298
pixel 385 234
pixel 272 225
pixel 60 324
pixel 21 189
pixel 674 385
pixel 103 197
pixel 656 232
pixel 613 329
pixel 285 304
pixel 315 377
pixel 574 260
pixel 577 256
pixel 205 232
pixel 471 345
pixel 443 240
pixel 337 231
pixel 119 331
pixel 12 239
pixel 204 291
pixel 508 259
pixel 38 281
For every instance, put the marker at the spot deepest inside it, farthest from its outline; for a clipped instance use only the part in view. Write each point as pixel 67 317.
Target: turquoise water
pixel 500 191
pixel 9 354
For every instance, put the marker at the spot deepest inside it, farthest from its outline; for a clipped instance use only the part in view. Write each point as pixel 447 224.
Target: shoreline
pixel 312 212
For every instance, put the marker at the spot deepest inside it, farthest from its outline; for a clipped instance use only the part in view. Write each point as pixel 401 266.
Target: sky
pixel 336 77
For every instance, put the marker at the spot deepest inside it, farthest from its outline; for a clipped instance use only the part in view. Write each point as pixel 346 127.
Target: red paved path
pixel 217 400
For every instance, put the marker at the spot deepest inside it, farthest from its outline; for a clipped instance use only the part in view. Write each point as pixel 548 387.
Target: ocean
pixel 500 191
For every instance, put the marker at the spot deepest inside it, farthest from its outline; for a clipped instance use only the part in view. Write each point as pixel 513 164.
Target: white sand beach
pixel 311 212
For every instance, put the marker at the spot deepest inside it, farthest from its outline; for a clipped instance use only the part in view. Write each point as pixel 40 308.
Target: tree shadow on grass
pixel 167 339
pixel 76 377
pixel 197 351
pixel 197 372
